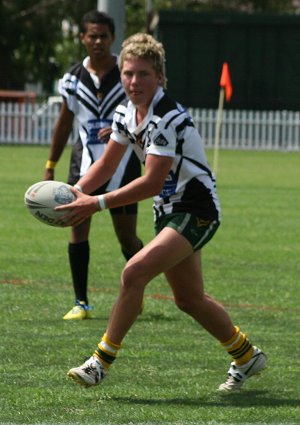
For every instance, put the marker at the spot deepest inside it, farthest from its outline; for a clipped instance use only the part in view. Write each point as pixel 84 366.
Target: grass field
pixel 169 368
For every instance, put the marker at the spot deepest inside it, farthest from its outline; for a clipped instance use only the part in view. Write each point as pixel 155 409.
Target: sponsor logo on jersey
pixel 93 128
pixel 160 140
pixel 169 187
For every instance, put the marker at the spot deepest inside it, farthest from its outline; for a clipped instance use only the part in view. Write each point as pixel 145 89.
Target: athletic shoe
pixel 238 374
pixel 80 311
pixel 89 374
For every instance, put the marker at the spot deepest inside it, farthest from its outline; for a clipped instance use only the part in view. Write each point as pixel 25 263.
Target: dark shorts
pixel 133 171
pixel 196 230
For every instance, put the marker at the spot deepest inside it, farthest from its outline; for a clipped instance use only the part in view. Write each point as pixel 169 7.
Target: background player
pixel 91 90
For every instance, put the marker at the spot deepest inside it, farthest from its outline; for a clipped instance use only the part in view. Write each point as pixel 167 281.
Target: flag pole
pixel 218 131
pixel 225 92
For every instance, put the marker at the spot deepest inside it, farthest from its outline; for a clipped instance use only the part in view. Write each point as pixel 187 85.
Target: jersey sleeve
pixel 119 133
pixel 162 140
pixel 67 88
pixel 118 137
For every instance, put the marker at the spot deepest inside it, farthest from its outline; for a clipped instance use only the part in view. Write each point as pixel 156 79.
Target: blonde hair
pixel 144 46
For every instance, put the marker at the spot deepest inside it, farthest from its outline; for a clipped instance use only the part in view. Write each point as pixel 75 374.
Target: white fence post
pixel 262 130
pixel 258 130
pixel 26 123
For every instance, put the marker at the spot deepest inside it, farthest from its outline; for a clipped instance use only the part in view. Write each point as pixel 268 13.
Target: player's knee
pixel 127 241
pixel 130 246
pixel 186 305
pixel 134 275
pixel 182 304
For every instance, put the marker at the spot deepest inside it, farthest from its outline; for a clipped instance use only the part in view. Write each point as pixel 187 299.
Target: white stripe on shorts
pixel 184 223
pixel 206 234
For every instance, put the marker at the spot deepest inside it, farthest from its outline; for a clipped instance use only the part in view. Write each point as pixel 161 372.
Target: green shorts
pixel 196 230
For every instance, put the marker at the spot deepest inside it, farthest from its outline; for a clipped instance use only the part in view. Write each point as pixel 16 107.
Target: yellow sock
pixel 239 347
pixel 107 351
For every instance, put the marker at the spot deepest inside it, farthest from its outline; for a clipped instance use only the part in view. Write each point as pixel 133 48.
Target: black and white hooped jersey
pixel 168 130
pixel 93 103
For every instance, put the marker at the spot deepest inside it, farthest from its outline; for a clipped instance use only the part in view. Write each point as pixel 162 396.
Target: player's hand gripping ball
pixel 42 197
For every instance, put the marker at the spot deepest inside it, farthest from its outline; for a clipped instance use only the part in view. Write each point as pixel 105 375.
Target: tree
pixel 30 36
pixel 35 48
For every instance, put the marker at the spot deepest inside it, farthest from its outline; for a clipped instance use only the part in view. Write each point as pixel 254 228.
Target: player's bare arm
pixel 104 134
pixel 60 138
pixel 144 187
pixel 104 168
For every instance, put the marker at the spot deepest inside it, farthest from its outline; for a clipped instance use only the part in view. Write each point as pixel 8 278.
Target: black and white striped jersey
pixel 168 130
pixel 93 103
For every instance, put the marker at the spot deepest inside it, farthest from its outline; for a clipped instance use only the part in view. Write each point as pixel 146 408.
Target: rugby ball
pixel 41 198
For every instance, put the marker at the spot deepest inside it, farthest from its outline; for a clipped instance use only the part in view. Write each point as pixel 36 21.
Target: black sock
pixel 79 256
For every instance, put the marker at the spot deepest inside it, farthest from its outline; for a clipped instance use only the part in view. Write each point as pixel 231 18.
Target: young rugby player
pixel 186 212
pixel 91 90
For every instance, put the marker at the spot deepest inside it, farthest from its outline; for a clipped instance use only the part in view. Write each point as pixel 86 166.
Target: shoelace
pixel 89 369
pixel 85 306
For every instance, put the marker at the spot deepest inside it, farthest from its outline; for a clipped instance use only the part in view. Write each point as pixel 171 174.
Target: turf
pixel 169 368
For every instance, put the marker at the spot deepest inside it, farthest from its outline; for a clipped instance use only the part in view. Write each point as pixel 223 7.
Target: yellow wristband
pixel 50 165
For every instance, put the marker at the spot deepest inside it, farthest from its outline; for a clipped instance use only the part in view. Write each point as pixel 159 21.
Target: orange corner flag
pixel 225 81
